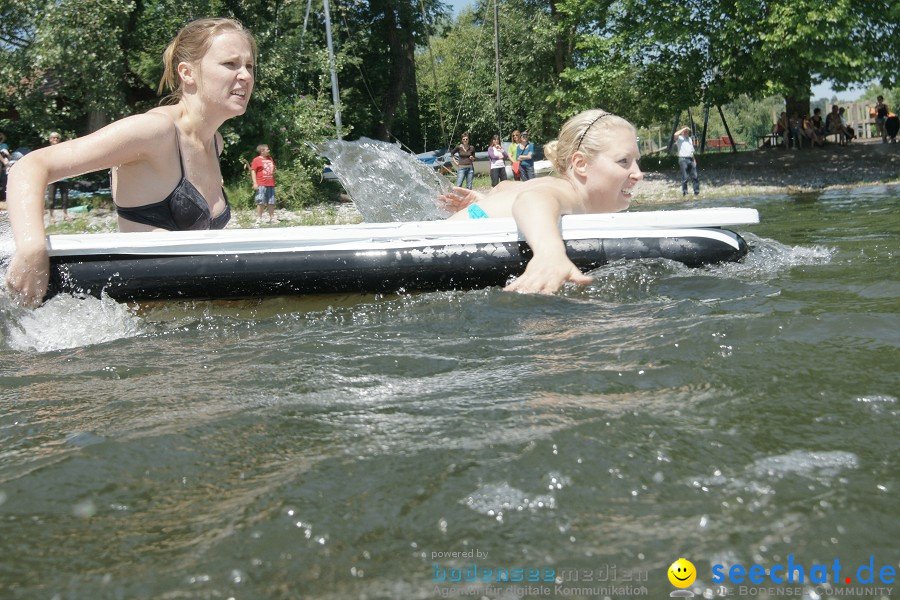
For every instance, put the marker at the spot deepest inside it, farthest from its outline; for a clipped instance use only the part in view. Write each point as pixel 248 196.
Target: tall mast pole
pixel 497 60
pixel 335 96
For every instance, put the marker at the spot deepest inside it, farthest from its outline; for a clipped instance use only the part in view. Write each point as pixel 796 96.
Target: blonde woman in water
pixel 596 159
pixel 165 162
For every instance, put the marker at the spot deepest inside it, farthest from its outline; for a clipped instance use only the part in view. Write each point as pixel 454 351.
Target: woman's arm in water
pixel 537 213
pixel 125 141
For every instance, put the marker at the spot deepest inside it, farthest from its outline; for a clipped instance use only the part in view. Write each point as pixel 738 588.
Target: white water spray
pixel 386 183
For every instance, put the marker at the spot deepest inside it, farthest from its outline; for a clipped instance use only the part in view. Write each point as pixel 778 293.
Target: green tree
pixel 698 51
pixel 465 65
pixel 72 65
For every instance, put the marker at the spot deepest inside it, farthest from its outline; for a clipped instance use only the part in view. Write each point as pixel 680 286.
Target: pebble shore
pixel 779 171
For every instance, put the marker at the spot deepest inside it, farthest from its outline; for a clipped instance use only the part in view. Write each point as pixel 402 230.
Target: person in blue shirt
pixel 526 157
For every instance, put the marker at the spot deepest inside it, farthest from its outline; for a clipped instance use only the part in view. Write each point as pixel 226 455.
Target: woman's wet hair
pixel 191 44
pixel 588 132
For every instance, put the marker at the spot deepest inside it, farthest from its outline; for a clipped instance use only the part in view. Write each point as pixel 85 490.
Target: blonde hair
pixel 587 132
pixel 191 44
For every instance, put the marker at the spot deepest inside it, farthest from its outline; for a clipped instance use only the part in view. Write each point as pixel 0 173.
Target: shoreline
pixel 766 171
pixel 770 171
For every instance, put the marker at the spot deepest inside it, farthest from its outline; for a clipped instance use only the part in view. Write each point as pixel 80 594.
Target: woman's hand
pixel 547 275
pixel 458 198
pixel 27 277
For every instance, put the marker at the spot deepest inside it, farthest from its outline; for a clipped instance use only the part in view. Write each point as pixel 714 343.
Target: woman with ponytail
pixel 165 162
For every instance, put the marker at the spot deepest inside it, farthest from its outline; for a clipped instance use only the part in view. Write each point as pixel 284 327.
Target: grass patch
pixel 84 222
pixel 294 190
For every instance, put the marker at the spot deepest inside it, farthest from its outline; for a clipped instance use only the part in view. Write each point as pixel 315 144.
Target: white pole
pixel 305 20
pixel 497 59
pixel 334 80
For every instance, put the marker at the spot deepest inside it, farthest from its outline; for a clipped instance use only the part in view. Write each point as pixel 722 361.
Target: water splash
pixel 386 183
pixel 66 322
pixel 62 322
pixel 7 246
pixel 769 257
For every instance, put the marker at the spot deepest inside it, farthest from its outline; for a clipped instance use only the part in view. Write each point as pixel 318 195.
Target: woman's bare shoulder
pixel 157 121
pixel 543 185
pixel 149 127
pixel 555 188
pixel 134 138
pixel 549 185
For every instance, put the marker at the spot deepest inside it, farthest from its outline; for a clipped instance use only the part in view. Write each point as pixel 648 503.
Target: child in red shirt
pixel 262 173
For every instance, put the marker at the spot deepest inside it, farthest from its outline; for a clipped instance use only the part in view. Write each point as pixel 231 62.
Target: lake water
pixel 345 447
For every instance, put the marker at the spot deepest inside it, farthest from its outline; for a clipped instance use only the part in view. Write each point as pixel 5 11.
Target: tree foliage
pixel 409 72
pixel 464 64
pixel 698 51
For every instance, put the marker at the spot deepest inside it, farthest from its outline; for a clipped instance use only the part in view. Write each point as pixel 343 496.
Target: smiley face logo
pixel 682 573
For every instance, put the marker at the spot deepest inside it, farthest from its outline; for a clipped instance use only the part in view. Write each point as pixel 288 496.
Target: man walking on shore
pixel 686 160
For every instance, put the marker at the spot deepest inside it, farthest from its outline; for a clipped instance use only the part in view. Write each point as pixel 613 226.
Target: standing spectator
pixel 62 185
pixel 497 155
pixel 686 160
pixel 833 121
pixel 262 173
pixel 526 157
pixel 881 115
pixel 514 154
pixel 465 161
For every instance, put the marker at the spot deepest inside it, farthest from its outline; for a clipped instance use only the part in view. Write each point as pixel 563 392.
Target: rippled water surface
pixel 332 447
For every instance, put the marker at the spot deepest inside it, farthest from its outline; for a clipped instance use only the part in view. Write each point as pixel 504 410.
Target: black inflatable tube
pixel 425 268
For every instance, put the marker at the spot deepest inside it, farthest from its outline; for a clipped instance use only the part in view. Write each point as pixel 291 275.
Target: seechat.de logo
pixel 796 572
pixel 682 574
